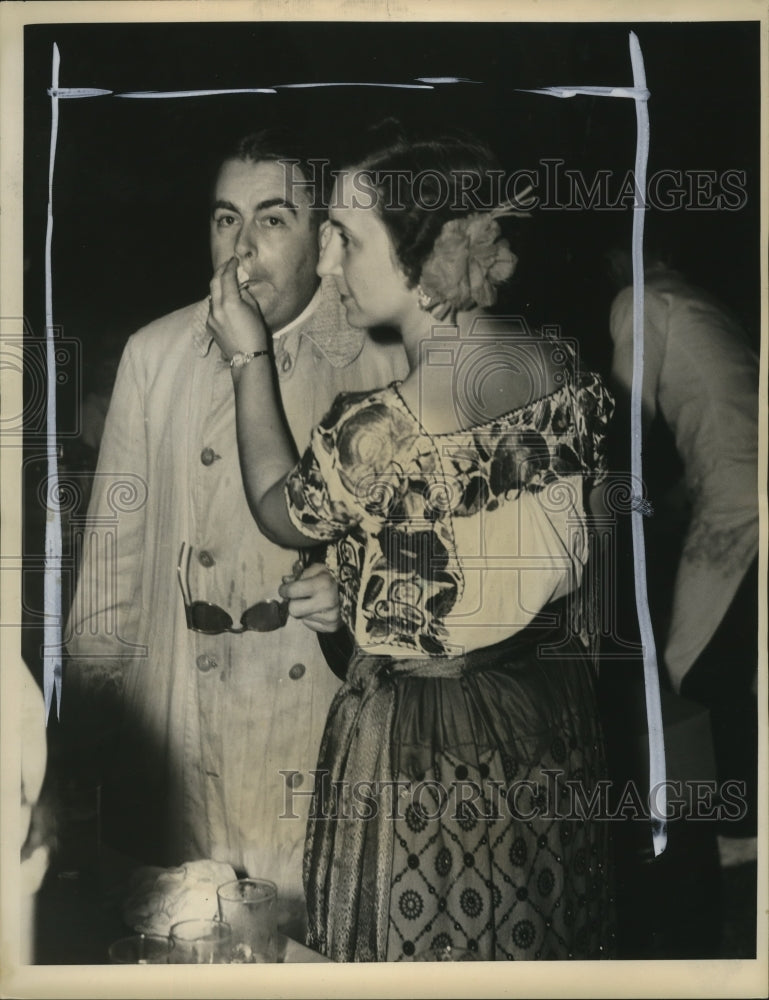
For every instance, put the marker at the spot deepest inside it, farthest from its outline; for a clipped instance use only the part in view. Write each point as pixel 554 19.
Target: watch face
pixel 238 359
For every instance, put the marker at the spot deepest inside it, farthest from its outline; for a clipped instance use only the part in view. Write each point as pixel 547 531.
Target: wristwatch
pixel 239 359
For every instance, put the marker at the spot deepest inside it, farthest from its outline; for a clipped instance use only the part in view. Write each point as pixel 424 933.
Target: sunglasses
pixel 210 619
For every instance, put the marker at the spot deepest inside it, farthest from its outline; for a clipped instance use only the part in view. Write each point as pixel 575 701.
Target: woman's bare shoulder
pixel 518 366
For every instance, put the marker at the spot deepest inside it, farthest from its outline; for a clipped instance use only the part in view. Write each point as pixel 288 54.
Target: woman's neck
pixel 421 328
pixel 415 332
pixel 433 349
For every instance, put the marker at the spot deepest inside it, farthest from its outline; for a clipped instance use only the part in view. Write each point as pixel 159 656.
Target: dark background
pixel 131 181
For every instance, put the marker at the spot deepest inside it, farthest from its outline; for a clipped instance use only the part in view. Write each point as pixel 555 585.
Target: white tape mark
pixel 67 92
pixel 396 86
pixel 657 772
pixel 52 572
pixel 446 79
pixel 634 93
pixel 154 94
pixel 651 674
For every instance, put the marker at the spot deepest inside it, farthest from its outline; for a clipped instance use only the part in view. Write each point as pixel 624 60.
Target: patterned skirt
pixel 457 805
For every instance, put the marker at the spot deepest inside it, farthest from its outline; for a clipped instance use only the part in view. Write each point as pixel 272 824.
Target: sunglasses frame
pixel 190 605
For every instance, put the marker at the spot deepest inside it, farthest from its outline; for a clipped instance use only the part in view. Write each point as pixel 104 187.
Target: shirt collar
pixel 303 316
pixel 202 339
pixel 329 331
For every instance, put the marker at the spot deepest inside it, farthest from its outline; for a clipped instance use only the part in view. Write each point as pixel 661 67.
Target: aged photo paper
pixel 111 120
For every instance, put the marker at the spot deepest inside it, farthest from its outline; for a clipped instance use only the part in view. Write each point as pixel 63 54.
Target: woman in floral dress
pixel 455 800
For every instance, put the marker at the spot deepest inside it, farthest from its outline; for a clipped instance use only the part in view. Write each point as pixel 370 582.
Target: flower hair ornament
pixel 469 260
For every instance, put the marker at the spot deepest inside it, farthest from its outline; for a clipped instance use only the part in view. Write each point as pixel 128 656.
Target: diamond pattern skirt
pixel 458 804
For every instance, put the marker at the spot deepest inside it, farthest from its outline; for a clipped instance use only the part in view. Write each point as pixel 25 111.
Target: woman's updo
pixel 423 184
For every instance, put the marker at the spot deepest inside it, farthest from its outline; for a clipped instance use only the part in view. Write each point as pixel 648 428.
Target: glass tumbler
pixel 250 907
pixel 200 942
pixel 140 949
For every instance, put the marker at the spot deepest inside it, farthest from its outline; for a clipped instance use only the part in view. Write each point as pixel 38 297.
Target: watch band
pixel 239 358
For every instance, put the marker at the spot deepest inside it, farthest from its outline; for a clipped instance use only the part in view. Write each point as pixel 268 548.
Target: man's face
pixel 261 215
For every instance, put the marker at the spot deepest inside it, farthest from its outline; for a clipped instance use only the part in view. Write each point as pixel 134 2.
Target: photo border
pixel 615 978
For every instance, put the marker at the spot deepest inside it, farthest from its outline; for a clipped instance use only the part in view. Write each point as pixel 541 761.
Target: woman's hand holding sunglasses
pixel 313 598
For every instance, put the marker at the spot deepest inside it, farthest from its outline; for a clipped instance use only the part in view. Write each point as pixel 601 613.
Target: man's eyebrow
pixel 260 207
pixel 219 203
pixel 277 203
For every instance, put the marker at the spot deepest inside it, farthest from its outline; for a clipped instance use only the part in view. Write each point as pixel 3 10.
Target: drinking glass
pixel 140 949
pixel 200 942
pixel 249 906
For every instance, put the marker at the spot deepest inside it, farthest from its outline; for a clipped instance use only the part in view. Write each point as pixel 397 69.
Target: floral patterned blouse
pixel 449 542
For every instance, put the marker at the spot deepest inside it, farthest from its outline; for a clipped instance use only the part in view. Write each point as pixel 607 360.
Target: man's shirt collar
pixel 323 322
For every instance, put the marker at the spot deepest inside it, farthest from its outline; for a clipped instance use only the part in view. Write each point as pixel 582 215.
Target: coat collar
pixel 324 324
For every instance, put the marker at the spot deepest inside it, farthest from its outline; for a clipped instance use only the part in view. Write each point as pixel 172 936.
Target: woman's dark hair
pixel 422 183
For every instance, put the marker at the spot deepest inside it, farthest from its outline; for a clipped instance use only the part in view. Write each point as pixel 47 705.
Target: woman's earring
pixel 425 301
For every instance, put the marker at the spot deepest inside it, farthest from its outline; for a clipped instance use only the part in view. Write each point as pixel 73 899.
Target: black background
pixel 131 181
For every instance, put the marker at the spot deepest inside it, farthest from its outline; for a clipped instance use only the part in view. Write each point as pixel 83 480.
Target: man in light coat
pixel 215 732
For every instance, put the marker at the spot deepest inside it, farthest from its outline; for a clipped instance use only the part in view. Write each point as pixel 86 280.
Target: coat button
pixel 208 456
pixel 297 671
pixel 206 559
pixel 205 663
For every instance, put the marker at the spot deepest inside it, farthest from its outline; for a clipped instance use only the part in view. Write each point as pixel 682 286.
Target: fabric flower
pixel 469 261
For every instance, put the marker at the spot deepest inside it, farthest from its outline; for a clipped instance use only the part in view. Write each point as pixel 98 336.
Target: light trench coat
pixel 219 734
